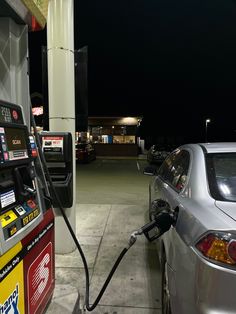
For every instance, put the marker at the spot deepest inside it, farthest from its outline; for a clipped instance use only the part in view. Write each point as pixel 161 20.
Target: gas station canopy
pixel 22 11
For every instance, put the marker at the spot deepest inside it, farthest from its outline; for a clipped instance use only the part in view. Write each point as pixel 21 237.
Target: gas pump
pixel 26 221
pixel 57 149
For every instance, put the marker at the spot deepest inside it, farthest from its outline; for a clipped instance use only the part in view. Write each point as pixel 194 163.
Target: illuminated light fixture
pixel 207 121
pixel 129 121
pixel 37 111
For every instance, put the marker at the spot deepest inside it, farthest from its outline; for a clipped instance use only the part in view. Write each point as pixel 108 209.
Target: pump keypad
pixel 18 217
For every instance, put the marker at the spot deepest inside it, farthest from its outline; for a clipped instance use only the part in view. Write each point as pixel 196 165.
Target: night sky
pixel 173 62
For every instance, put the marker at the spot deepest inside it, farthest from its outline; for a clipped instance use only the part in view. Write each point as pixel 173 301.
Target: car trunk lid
pixel 229 208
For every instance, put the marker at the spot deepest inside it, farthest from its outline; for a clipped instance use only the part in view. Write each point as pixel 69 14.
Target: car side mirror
pixel 150 171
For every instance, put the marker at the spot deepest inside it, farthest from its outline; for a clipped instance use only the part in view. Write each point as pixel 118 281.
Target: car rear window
pixel 221 169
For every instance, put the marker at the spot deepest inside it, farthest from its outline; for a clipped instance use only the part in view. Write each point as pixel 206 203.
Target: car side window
pixel 180 171
pixel 165 171
pixel 175 168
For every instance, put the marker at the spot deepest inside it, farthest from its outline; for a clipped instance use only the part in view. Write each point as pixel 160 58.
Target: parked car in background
pixel 197 183
pixel 85 152
pixel 157 154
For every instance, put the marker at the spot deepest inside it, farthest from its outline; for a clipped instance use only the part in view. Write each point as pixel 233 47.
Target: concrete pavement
pixel 112 202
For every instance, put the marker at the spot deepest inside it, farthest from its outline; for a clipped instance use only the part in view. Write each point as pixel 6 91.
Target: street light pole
pixel 207 121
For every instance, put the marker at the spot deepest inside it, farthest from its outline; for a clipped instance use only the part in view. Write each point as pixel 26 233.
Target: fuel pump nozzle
pixel 154 229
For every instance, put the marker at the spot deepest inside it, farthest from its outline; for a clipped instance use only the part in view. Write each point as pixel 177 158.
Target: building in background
pixel 113 136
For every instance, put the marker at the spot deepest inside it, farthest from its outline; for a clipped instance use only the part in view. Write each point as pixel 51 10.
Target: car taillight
pixel 232 250
pixel 219 247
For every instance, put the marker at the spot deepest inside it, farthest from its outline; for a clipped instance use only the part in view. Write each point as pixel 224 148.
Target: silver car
pixel 197 183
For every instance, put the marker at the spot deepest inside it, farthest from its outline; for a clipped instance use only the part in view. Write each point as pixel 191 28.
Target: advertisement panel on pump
pixel 39 265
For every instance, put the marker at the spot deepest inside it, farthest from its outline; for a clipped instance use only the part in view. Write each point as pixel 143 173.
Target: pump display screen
pixel 10 113
pixel 5 114
pixel 13 142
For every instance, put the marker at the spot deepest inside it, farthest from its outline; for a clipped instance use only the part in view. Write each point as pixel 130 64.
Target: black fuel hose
pixel 120 257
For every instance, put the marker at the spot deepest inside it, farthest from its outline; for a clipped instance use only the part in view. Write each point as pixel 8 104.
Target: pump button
pixel 25 220
pixel 31 204
pixel 20 210
pixel 12 230
pixel 34 153
pixel 31 216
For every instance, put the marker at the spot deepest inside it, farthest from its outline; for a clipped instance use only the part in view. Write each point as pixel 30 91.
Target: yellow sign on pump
pixel 12 282
pixel 12 292
pixel 38 8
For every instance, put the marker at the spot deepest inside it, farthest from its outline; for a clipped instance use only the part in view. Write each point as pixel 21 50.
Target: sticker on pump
pixel 31 138
pixel 39 278
pixel 7 198
pixel 52 143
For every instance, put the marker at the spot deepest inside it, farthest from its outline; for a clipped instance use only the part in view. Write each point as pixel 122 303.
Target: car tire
pixel 165 294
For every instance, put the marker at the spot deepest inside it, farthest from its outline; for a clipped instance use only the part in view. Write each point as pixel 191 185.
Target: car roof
pixel 218 147
pixel 221 147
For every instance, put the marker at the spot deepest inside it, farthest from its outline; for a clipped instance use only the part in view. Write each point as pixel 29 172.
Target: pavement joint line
pixel 129 306
pixel 100 242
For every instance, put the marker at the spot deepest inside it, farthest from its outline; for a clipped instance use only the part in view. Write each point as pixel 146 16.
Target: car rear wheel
pixel 165 293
